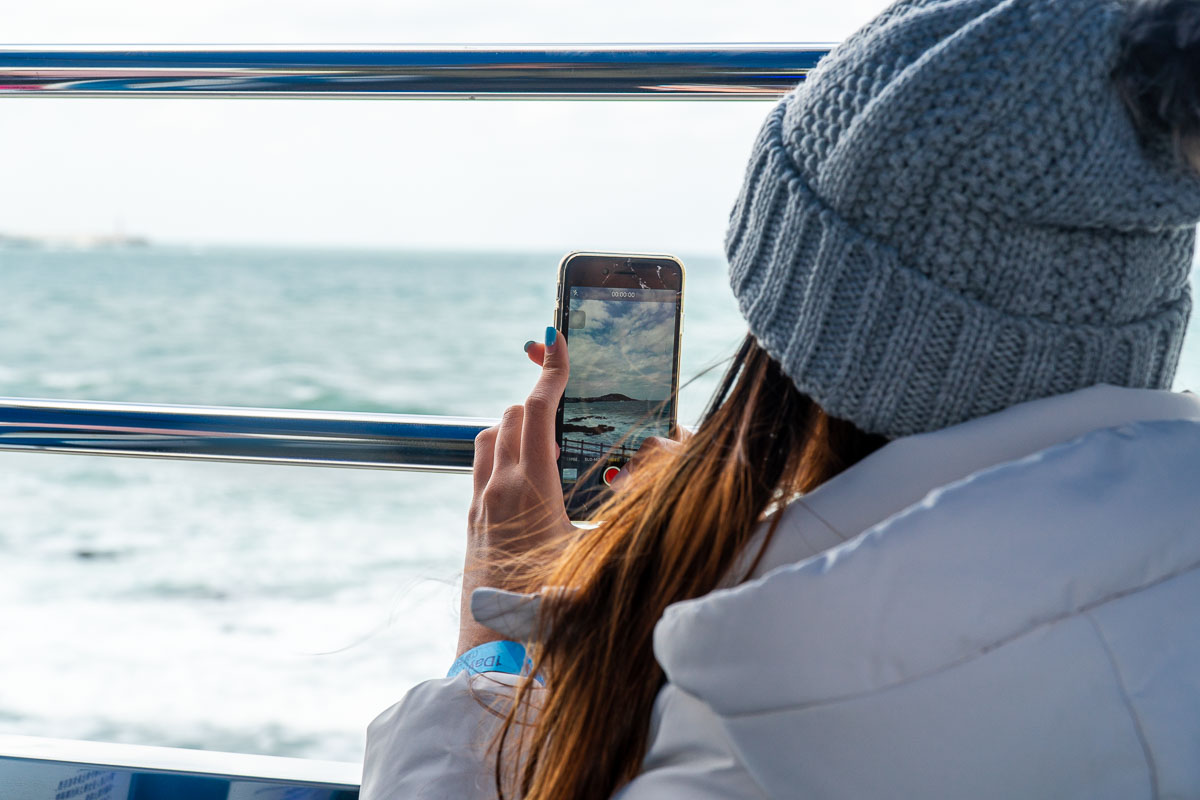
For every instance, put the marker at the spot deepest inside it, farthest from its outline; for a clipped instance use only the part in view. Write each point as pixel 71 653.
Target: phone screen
pixel 624 363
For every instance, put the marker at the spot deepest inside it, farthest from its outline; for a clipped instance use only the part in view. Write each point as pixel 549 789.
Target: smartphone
pixel 622 316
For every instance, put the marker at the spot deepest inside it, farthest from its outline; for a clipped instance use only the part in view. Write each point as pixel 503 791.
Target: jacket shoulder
pixel 1003 611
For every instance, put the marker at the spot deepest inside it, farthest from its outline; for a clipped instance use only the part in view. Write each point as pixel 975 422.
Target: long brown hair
pixel 674 534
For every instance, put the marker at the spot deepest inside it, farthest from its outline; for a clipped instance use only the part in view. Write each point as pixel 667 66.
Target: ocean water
pixel 621 417
pixel 249 608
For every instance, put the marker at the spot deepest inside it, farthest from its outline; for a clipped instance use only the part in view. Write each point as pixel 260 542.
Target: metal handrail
pixel 260 436
pixel 690 72
pixel 384 441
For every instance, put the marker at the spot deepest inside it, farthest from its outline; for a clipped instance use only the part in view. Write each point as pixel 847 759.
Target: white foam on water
pixel 196 604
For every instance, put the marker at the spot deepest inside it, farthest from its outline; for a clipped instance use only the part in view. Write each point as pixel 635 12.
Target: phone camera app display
pixel 619 392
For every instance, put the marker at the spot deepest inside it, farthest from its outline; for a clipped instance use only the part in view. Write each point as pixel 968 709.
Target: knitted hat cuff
pixel 878 343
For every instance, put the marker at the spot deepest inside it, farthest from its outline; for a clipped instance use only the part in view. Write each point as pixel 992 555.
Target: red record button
pixel 609 474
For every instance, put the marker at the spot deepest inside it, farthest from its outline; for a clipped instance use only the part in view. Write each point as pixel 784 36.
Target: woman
pixel 938 534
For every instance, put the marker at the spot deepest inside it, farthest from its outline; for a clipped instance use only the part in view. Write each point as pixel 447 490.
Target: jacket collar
pixel 977 563
pixel 904 471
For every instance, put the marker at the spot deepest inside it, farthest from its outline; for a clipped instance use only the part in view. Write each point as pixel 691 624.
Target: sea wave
pixel 232 607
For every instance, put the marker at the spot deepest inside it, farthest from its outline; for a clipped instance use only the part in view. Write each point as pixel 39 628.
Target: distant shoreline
pixel 86 242
pixel 612 397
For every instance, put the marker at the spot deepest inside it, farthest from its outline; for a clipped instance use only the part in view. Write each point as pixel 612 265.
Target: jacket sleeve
pixel 438 742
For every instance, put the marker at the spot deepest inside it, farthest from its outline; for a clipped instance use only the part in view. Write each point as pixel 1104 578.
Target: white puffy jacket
pixel 1006 608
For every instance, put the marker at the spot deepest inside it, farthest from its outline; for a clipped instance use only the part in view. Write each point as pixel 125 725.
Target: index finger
pixel 537 440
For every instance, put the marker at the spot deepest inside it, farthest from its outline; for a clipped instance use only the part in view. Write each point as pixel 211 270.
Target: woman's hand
pixel 518 502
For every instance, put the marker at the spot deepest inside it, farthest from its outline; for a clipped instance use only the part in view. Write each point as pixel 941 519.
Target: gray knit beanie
pixel 954 213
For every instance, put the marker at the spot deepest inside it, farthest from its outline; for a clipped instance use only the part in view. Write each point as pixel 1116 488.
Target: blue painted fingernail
pixel 528 345
pixel 551 336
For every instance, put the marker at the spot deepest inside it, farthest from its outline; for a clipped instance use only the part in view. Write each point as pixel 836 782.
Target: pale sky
pixel 623 347
pixel 657 176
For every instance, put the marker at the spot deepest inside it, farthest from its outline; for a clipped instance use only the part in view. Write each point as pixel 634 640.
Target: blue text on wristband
pixel 508 657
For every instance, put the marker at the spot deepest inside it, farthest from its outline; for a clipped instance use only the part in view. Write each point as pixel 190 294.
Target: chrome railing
pixel 710 72
pixel 387 441
pixel 260 436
